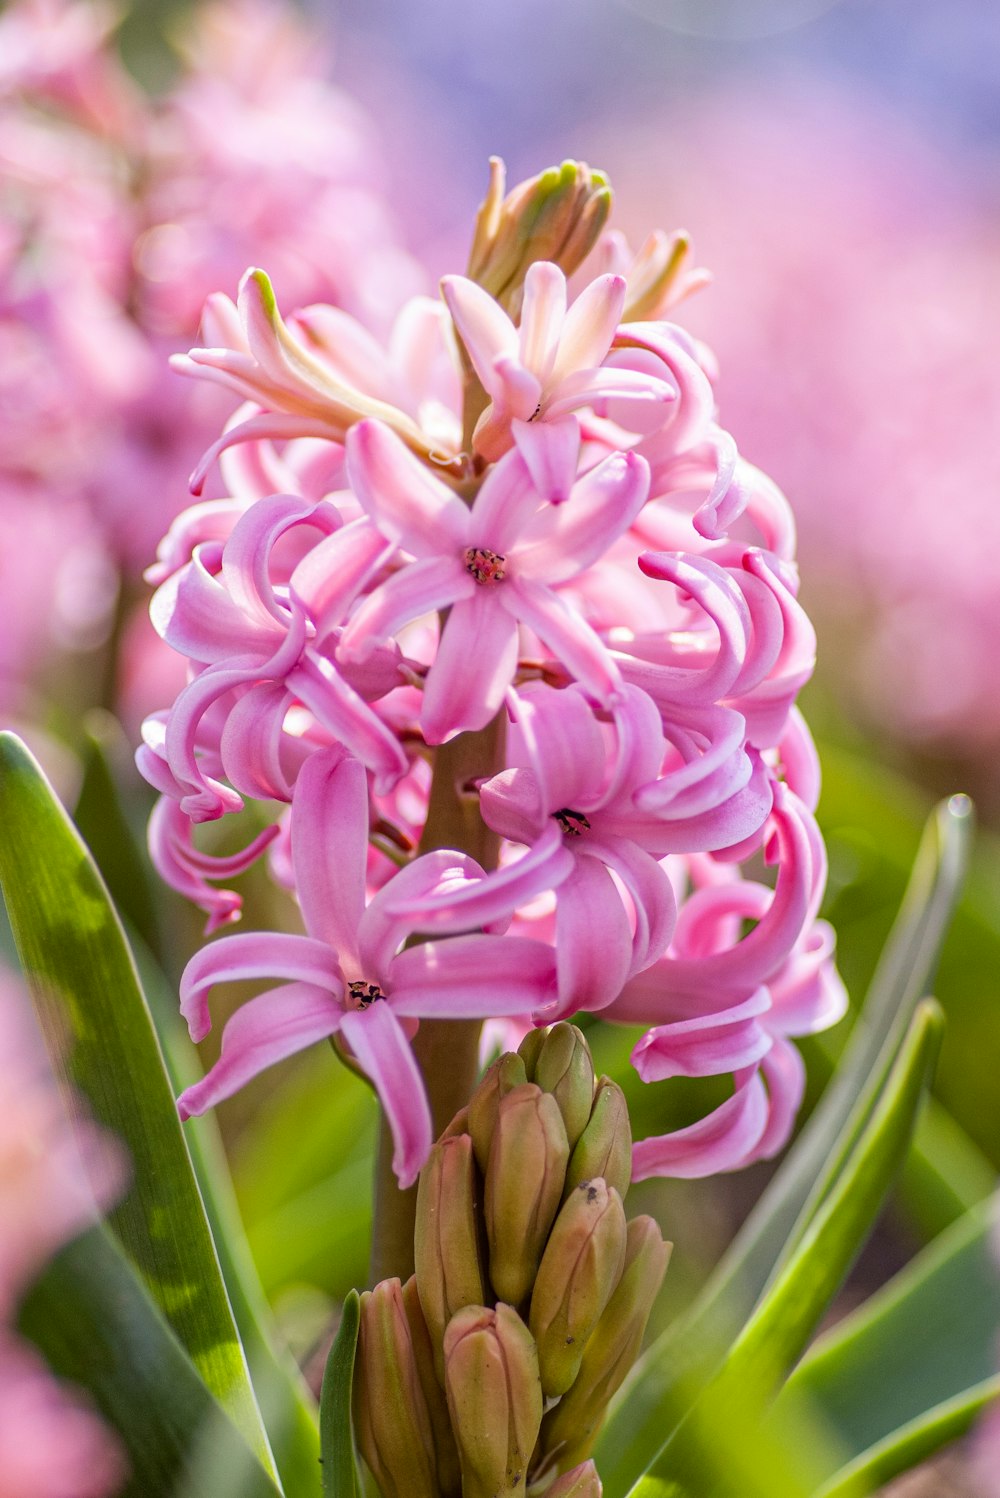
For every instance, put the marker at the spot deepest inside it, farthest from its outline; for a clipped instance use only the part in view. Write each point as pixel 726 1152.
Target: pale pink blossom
pixel 347 976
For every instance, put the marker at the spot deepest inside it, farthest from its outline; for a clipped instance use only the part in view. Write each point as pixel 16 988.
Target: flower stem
pixel 446 1050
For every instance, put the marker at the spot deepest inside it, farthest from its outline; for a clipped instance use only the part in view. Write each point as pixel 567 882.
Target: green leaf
pixel 911 1368
pixel 780 1328
pixel 101 1039
pixel 96 1325
pixel 677 1364
pixel 340 1474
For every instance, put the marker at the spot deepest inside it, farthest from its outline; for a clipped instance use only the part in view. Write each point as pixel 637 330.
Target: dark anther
pixel 486 566
pixel 363 993
pixel 571 822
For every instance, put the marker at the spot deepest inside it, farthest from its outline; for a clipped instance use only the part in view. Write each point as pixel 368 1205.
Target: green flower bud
pixel 556 216
pixel 524 1187
pixel 391 1420
pixel 494 1397
pixel 605 1147
pixel 446 1237
pixel 528 1051
pixel 446 1454
pixel 564 1068
pixel 582 1482
pixel 506 1073
pixel 570 1429
pixel 580 1269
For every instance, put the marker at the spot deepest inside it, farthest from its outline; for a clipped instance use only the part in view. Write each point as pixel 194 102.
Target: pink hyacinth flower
pixel 540 373
pixel 348 975
pixel 495 565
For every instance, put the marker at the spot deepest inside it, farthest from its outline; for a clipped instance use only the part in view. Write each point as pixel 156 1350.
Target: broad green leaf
pixel 340 1474
pixel 101 1038
pixel 911 1367
pixel 97 1326
pixel 686 1353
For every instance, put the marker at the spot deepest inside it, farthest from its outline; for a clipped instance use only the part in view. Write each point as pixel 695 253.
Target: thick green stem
pixel 446 1050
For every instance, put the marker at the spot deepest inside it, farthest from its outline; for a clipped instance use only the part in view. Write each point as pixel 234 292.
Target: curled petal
pixel 785 1074
pixel 253 954
pixel 263 1031
pixel 725 1140
pixel 712 588
pixel 406 905
pixel 418 588
pixel 187 870
pixel 551 450
pixel 348 718
pixel 490 898
pixel 707 1045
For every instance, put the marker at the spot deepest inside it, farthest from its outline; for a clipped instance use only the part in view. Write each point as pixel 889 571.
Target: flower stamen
pixel 486 566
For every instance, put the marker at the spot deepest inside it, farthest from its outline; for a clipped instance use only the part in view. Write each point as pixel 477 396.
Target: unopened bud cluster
pixel 490 1370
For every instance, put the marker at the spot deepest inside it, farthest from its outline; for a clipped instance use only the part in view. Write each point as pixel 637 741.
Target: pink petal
pixel 331 574
pixel 650 890
pixel 551 449
pixel 542 313
pixel 785 1074
pixel 504 505
pixel 246 556
pixel 562 540
pixel 329 833
pixel 186 869
pixel 397 911
pixel 707 1045
pixel 253 954
pixel 408 504
pixel 593 938
pixel 725 1140
pixel 490 898
pixel 346 715
pixel 570 638
pixel 418 588
pixel 193 611
pixel 561 739
pixel 473 977
pixel 263 1031
pixel 641 397
pixel 482 324
pixel 252 740
pixel 475 664
pixel 383 1052
pixel 280 426
pixel 590 326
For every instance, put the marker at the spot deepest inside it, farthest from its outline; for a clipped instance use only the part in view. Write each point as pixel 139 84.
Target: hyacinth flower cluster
pixel 490 1369
pixel 503 633
pixel 53 1177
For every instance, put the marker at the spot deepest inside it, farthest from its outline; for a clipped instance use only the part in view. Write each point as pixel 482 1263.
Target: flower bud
pixel 580 1268
pixel 564 1068
pixel 571 1427
pixel 524 1186
pixel 605 1147
pixel 660 277
pixel 555 216
pixel 528 1051
pixel 446 1237
pixel 445 1452
pixel 391 1419
pixel 506 1073
pixel 494 1397
pixel 582 1482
